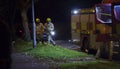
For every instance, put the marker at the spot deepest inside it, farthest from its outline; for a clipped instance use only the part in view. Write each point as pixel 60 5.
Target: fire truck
pixel 98 28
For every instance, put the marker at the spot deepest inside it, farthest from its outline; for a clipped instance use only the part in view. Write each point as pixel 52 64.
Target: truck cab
pixel 97 28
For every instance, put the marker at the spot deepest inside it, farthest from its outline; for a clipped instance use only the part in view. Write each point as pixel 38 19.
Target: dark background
pixel 60 13
pixel 58 10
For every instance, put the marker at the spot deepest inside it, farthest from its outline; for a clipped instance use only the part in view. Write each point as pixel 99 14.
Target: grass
pixel 47 51
pixel 22 46
pixel 55 52
pixel 91 65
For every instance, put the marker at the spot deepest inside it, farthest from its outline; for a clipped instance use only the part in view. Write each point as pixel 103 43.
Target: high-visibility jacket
pixel 39 29
pixel 49 26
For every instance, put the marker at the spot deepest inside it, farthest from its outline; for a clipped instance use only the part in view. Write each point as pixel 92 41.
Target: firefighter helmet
pixel 37 20
pixel 48 19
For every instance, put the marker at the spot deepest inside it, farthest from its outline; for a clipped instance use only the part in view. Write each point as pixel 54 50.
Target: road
pixel 20 61
pixel 67 44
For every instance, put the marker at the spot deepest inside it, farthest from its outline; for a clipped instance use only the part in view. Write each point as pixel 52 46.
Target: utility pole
pixel 34 26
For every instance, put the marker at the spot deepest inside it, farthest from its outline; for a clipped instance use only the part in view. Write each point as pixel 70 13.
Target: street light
pixel 34 29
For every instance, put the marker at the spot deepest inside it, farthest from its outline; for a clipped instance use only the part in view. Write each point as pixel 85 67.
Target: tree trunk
pixel 25 25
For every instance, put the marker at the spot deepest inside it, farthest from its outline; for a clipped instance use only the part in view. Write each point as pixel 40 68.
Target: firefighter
pixel 49 27
pixel 39 30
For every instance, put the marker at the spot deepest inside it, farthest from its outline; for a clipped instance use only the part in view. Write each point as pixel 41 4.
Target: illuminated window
pixel 117 12
pixel 103 13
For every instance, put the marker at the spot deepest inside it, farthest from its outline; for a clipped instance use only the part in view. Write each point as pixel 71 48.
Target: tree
pixel 24 6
